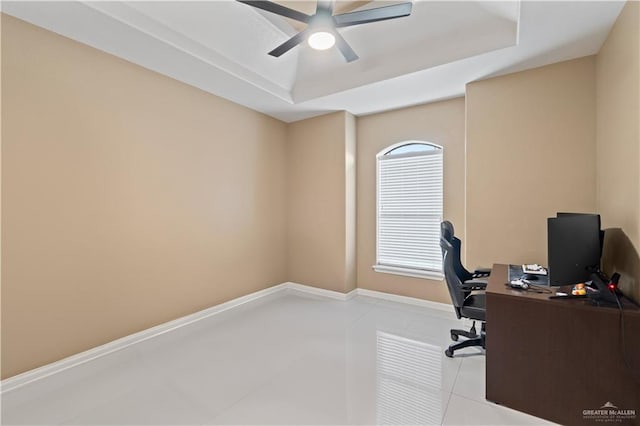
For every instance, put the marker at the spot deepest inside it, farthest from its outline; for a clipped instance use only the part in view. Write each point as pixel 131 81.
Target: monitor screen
pixel 601 232
pixel 574 248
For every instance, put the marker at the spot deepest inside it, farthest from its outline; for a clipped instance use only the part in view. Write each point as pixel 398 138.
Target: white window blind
pixel 410 210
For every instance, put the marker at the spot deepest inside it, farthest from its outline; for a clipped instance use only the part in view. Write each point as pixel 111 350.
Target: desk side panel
pixel 554 359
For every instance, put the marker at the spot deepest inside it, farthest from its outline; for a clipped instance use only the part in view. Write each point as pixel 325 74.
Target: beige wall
pixel 320 221
pixel 530 153
pixel 618 130
pixel 129 199
pixel 441 123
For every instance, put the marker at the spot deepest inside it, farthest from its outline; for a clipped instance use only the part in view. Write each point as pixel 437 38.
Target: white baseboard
pixel 56 367
pixel 321 291
pixel 406 299
pixel 22 379
pixel 370 293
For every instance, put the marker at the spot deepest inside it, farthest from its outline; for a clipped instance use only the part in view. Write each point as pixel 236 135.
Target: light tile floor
pixel 289 358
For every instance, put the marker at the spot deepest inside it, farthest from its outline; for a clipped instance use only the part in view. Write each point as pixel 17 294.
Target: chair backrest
pixel 447 232
pixel 454 283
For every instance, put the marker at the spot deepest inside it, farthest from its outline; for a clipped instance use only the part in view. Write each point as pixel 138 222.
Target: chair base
pixel 473 339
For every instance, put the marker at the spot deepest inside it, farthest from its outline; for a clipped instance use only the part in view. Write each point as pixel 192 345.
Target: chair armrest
pixel 481 272
pixel 471 285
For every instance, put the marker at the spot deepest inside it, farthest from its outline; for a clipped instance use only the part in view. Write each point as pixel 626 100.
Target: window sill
pixel 407 272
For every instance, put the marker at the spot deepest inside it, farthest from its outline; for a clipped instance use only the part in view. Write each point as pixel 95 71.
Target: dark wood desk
pixel 557 358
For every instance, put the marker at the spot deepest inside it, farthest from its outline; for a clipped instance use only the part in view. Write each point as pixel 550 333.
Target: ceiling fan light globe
pixel 321 40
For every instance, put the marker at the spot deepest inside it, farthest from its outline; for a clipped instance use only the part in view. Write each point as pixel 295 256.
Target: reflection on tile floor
pixel 288 358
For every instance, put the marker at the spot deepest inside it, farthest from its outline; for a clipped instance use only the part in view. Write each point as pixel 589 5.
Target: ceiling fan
pixel 321 32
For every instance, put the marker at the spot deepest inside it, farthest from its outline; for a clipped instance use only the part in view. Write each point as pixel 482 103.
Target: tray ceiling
pixel 221 47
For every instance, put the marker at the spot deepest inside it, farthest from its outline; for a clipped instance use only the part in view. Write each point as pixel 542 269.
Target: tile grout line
pixel 482 401
pixel 453 385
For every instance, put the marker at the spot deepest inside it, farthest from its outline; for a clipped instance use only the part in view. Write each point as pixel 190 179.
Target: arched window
pixel 409 209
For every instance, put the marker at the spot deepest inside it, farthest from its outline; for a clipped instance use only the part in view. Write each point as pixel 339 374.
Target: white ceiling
pixel 221 47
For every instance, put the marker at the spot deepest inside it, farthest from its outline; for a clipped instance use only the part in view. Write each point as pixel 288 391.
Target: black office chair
pixel 446 228
pixel 466 294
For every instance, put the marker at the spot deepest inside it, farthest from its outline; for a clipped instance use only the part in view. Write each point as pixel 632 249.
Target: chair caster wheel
pixel 449 353
pixel 454 337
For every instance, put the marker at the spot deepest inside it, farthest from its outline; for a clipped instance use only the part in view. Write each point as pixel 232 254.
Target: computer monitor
pixel 574 248
pixel 599 227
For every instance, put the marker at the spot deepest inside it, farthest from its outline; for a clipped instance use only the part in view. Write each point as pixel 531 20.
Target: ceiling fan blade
pixel 325 6
pixel 289 44
pixel 373 15
pixel 277 9
pixel 344 48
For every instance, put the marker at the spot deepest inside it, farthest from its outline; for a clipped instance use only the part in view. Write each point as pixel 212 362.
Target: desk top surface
pixel 500 277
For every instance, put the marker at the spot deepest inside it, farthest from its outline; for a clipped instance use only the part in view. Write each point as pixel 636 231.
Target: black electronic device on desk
pixel 606 291
pixel 574 247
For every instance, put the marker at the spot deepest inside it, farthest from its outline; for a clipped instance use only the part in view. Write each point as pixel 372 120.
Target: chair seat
pixel 474 307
